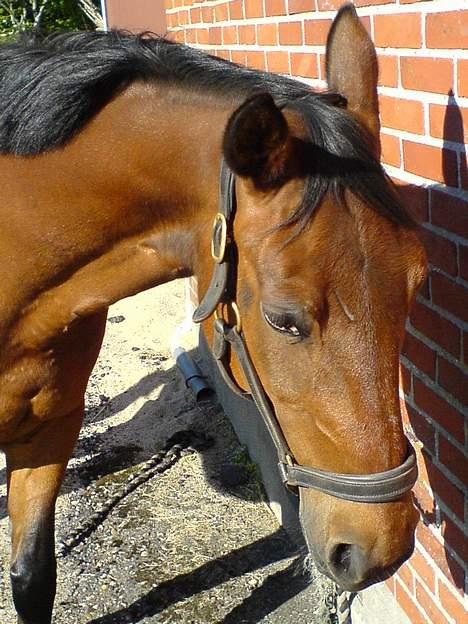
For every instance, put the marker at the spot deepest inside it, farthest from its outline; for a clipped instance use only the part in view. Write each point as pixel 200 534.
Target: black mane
pixel 50 89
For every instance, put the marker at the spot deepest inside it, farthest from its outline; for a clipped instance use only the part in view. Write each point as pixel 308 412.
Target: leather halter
pixel 378 487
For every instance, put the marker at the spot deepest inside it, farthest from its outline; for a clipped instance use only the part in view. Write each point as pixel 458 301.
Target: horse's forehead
pixel 354 263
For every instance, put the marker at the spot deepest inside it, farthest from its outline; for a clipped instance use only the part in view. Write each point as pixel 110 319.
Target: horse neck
pixel 134 195
pixel 170 161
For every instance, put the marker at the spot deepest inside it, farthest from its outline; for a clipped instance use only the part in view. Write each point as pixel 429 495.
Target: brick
pixel 275 7
pixel 415 199
pixel 408 605
pixel 195 15
pixel 463 263
pixel 214 36
pixel 463 172
pixel 452 378
pixel 420 355
pixel 401 114
pixel 316 31
pixel 423 429
pixel 390 583
pixel 424 501
pixel 441 252
pixel 390 149
pixel 191 35
pixel 452 458
pixel 454 537
pixel 424 460
pixel 449 123
pixel 431 162
pixel 229 35
pixel 267 34
pixel 406 576
pixel 202 36
pixel 221 12
pixel 182 18
pixel 388 71
pixel 451 603
pixel 398 31
pixel 439 410
pixel 300 6
pixel 447 30
pixel 322 67
pixel 207 14
pixel 255 59
pixel 465 351
pixel 238 56
pixel 225 54
pixel 304 65
pixel 430 607
pixel 290 33
pixel 442 558
pixel 438 329
pixel 278 62
pixel 247 35
pixel 449 213
pixel 427 74
pixel 462 71
pixel 445 490
pixel 253 8
pixel 423 569
pixel 406 380
pixel 236 9
pixel 179 36
pixel 372 2
pixel 328 5
pixel 450 296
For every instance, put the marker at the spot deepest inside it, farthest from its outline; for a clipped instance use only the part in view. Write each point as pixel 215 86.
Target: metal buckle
pixel 219 228
pixel 235 309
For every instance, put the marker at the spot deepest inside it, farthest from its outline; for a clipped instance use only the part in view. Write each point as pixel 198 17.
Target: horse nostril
pixel 341 558
pixel 348 564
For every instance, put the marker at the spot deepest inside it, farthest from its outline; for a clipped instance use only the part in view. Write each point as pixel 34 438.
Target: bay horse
pixel 111 150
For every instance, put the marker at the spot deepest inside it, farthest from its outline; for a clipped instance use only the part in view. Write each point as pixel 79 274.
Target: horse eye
pixel 282 324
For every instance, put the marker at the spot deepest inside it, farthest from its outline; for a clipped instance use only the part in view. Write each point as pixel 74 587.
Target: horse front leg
pixel 35 472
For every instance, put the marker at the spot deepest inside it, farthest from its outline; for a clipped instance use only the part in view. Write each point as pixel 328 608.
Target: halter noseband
pixel 377 487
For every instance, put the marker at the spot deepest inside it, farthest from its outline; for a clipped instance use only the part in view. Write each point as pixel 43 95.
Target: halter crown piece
pixel 377 487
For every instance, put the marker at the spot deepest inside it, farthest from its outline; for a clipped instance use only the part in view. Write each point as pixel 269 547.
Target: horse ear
pixel 256 142
pixel 352 70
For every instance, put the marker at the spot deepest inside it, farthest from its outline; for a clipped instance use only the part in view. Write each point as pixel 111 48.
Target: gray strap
pixel 379 487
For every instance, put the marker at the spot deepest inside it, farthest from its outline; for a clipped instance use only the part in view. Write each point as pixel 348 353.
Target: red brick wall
pixel 423 54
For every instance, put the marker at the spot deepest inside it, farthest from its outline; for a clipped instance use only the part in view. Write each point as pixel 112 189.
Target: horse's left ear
pixel 352 69
pixel 257 143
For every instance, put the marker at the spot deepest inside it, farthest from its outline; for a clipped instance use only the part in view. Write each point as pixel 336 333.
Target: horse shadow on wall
pixel 426 405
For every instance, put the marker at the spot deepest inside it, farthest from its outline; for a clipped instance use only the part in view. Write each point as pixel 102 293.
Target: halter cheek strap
pixel 378 487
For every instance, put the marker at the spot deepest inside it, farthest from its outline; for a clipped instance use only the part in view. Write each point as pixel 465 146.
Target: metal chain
pixel 181 443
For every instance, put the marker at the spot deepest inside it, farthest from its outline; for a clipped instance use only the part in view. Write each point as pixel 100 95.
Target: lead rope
pixel 180 444
pixel 344 601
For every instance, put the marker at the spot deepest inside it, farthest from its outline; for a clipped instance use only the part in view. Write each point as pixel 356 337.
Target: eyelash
pixel 283 325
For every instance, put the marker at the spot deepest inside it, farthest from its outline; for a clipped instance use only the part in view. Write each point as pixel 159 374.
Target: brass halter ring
pixel 219 226
pixel 235 309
